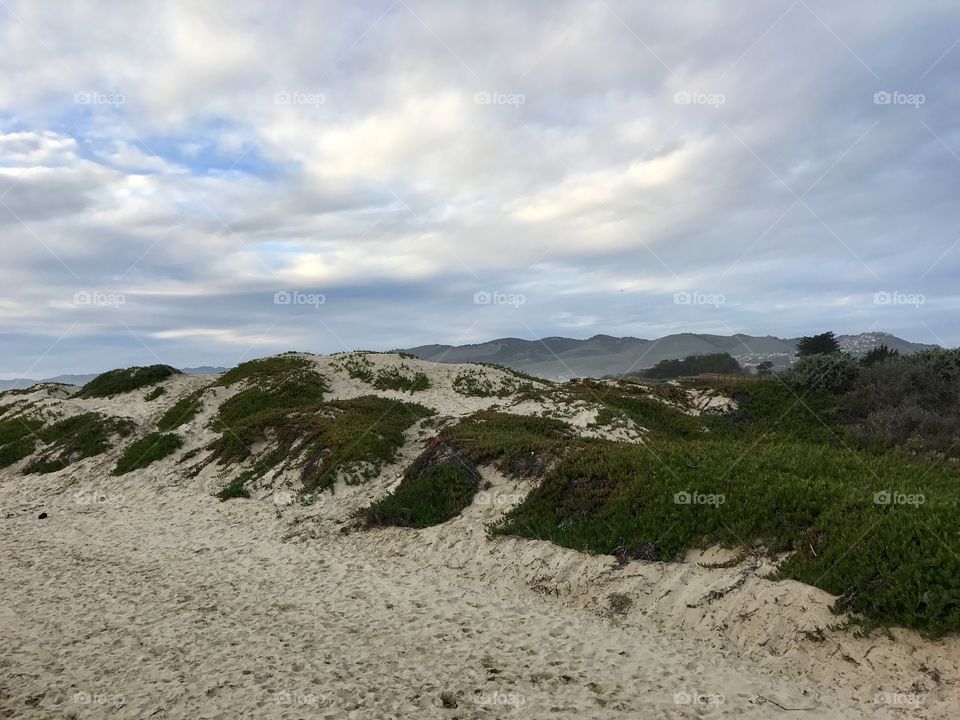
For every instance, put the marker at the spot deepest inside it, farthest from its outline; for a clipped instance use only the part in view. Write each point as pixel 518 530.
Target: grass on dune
pixel 181 412
pixel 149 449
pixel 154 394
pixel 435 488
pixel 17 438
pixel 401 378
pixel 351 439
pixel 75 438
pixel 397 377
pixel 518 445
pixel 125 380
pixel 265 369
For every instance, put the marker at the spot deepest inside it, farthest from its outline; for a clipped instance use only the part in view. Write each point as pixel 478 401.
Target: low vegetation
pixel 236 488
pixel 401 378
pixel 147 450
pixel 358 367
pixel 435 488
pixel 182 411
pixel 344 439
pixel 125 380
pixel 518 445
pixel 75 438
pixel 154 394
pixel 18 438
pixel 265 369
pixel 473 382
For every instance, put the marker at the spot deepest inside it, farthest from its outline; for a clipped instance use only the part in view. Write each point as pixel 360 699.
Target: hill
pixel 602 355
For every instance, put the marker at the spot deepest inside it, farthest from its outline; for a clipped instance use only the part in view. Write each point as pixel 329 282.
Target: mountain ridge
pixel 561 358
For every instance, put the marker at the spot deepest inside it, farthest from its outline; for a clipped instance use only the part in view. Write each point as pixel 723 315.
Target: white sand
pixel 157 601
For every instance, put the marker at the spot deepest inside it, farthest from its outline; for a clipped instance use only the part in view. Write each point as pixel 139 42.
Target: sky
pixel 206 181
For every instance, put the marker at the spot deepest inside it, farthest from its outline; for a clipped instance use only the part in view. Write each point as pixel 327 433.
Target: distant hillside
pixel 600 355
pixel 19 383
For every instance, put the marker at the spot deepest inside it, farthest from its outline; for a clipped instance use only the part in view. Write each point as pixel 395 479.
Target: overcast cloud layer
pixel 209 180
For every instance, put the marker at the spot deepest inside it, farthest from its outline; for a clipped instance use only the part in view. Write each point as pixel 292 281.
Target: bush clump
pixel 75 438
pixel 18 438
pixel 519 445
pixel 182 411
pixel 833 372
pixel 125 380
pixel 401 378
pixel 435 488
pixel 151 448
pixel 236 488
pixel 265 369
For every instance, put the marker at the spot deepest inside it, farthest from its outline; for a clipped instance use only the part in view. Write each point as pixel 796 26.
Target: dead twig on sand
pixel 764 698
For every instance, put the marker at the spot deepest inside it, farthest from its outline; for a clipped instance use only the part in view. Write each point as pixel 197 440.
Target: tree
pixel 765 369
pixel 694 365
pixel 822 344
pixel 878 354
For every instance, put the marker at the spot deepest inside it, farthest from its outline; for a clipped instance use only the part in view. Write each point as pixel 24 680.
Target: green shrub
pixel 834 373
pixel 236 488
pixel 243 419
pixel 124 380
pixel 349 438
pixel 18 438
pixel 154 394
pixel 435 488
pixel 76 438
pixel 401 378
pixel 151 448
pixel 265 369
pixel 181 412
pixel 519 445
pixel 358 367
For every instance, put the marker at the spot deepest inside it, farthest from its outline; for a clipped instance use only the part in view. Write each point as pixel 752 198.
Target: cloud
pixel 400 157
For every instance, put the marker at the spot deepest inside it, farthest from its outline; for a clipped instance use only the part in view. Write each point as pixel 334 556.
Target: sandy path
pixel 172 605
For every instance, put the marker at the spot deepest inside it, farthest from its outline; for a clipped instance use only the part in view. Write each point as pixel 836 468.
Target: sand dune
pixel 141 596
